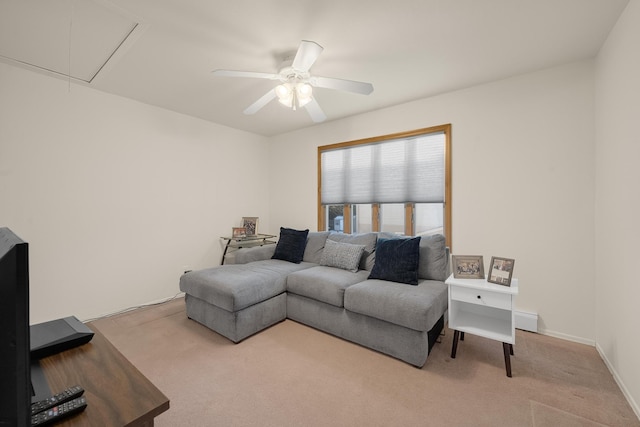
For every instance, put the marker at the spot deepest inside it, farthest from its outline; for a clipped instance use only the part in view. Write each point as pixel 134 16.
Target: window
pixel 392 218
pixel 362 218
pixel 335 217
pixel 399 183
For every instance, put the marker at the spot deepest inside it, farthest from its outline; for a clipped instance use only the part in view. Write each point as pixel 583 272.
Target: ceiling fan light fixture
pixel 287 102
pixel 294 95
pixel 284 93
pixel 283 90
pixel 303 94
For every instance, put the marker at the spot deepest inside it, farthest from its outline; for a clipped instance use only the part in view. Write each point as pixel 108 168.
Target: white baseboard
pixel 124 310
pixel 623 388
pixel 567 337
pixel 526 321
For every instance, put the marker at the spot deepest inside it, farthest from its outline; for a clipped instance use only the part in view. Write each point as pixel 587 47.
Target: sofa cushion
pixel 326 284
pixel 237 286
pixel 366 239
pixel 291 245
pixel 342 255
pixel 415 307
pixel 397 260
pixel 315 245
pixel 246 255
pixel 434 262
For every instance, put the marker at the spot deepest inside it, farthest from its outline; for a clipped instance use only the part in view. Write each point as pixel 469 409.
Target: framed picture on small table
pixel 238 232
pixel 501 270
pixel 250 223
pixel 468 266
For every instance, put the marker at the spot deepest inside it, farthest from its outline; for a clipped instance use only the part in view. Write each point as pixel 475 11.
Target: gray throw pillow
pixel 366 239
pixel 315 244
pixel 342 255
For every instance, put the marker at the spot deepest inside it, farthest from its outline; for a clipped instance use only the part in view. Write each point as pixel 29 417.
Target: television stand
pixel 117 392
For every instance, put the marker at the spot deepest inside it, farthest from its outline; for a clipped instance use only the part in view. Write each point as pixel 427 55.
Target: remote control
pixel 56 413
pixel 68 394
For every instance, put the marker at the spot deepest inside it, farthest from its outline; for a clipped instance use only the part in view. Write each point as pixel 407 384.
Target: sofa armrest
pixel 256 253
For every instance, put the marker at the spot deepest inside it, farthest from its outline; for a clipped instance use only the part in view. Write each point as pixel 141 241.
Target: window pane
pixel 429 218
pixel 335 218
pixel 361 219
pixel 392 217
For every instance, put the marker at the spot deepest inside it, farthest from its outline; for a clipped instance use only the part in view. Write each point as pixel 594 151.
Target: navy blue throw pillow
pixel 291 245
pixel 397 260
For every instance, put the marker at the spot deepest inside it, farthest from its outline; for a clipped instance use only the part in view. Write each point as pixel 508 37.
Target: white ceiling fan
pixel 296 83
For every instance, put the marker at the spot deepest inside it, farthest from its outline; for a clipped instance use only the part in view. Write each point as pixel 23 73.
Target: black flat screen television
pixel 15 367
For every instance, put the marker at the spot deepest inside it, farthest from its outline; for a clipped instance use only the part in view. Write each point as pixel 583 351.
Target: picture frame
pixel 250 223
pixel 468 266
pixel 238 232
pixel 501 271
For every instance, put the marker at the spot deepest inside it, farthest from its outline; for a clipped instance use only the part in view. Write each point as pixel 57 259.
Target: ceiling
pixel 162 52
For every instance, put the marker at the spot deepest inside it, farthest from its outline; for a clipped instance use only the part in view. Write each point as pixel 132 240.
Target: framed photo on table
pixel 468 266
pixel 250 223
pixel 238 232
pixel 501 270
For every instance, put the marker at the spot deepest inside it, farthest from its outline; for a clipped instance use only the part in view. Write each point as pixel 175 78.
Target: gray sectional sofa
pixel 395 304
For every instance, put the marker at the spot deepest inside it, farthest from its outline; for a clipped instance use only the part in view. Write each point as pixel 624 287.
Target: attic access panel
pixel 69 38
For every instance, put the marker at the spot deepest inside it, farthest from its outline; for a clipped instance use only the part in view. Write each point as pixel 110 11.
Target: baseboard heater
pixel 526 321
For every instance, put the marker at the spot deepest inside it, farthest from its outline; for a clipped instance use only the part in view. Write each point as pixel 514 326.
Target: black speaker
pixel 58 335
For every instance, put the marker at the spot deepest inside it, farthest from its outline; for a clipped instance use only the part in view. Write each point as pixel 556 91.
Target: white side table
pixel 484 309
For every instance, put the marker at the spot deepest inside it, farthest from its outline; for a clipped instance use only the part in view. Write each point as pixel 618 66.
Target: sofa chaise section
pixel 239 300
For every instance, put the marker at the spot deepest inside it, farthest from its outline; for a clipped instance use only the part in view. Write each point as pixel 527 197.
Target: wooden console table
pixel 117 393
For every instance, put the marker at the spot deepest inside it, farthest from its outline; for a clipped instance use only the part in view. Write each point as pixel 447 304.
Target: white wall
pixel 116 198
pixel 618 202
pixel 523 182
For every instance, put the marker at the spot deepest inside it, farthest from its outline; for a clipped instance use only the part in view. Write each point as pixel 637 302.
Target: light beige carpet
pixel 293 375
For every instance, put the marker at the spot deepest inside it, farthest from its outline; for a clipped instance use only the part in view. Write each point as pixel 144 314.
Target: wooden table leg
pixel 508 348
pixel 454 347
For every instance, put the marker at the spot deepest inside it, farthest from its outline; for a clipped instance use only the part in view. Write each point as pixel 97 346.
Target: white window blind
pixel 396 171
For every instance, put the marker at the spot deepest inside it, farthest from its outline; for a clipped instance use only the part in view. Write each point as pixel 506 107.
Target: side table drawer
pixel 481 297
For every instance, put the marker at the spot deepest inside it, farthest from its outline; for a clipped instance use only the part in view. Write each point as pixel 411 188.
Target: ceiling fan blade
pixel 264 100
pixel 314 110
pixel 306 55
pixel 340 84
pixel 252 74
